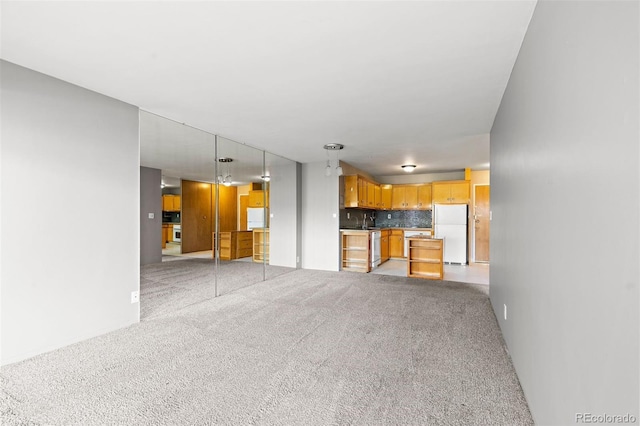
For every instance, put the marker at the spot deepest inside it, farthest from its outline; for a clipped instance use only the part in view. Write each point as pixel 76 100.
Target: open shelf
pixel 425 258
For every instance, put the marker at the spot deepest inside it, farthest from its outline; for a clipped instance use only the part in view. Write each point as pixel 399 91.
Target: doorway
pixel 482 220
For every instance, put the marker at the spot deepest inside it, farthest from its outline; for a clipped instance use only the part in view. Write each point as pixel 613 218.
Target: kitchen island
pixel 425 257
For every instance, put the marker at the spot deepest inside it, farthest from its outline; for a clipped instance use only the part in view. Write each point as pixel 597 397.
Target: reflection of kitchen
pixel 171 225
pixel 189 226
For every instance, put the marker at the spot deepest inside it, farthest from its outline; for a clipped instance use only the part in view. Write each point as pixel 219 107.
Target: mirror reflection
pixel 229 213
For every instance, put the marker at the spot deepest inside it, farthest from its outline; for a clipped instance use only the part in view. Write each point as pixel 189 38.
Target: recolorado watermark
pixel 605 418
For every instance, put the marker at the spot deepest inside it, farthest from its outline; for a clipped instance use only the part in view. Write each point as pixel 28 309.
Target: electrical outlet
pixel 505 311
pixel 151 215
pixel 135 296
pixel 389 216
pixel 297 259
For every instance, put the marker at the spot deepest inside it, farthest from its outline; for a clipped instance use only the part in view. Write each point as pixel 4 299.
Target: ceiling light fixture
pixel 333 147
pixel 408 167
pixel 266 178
pixel 226 180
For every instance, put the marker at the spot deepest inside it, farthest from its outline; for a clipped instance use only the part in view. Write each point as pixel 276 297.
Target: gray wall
pixel 565 202
pixel 150 202
pixel 283 201
pixel 70 213
pixel 320 220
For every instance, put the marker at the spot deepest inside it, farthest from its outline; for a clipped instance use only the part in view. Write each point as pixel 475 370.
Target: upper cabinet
pixel 371 195
pixel 451 192
pixel 351 191
pixel 404 197
pixel 378 196
pixel 258 198
pixel 424 197
pixel 386 192
pixel 359 192
pixel 171 203
pixel 362 193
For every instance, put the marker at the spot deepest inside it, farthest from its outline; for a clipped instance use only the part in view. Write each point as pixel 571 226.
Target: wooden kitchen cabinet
pixel 355 251
pixel 371 195
pixel 451 192
pixel 424 197
pixel 261 245
pixel 362 192
pixel 235 244
pixel 351 191
pixel 378 197
pixel 165 234
pixel 170 203
pixel 404 197
pixel 425 258
pixel 396 243
pixel 386 192
pixel 397 197
pixel 384 245
pixel 258 198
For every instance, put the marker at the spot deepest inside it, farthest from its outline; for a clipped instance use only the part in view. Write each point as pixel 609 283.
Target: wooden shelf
pixel 355 251
pixel 261 245
pixel 425 258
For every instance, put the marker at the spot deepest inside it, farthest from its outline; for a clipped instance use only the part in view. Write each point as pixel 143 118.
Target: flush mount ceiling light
pixel 408 167
pixel 333 147
pixel 226 180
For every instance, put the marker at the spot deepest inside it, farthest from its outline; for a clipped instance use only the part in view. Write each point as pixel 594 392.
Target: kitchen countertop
pixel 423 237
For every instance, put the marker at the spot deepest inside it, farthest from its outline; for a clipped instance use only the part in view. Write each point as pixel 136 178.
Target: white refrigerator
pixel 256 218
pixel 450 224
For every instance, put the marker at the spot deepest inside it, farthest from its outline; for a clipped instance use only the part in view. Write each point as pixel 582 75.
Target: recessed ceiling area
pixel 395 82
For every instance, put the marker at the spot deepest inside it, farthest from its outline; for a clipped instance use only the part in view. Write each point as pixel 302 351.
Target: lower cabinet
pixel 235 244
pixel 424 258
pixel 355 251
pixel 261 245
pixel 167 234
pixel 384 245
pixel 396 243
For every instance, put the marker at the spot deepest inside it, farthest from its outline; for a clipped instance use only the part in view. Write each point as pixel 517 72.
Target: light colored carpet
pixel 303 348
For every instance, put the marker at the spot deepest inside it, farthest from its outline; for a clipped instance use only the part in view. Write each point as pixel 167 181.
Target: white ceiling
pixel 395 82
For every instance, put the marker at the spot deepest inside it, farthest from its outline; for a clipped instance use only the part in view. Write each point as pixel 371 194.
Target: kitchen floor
pixel 474 273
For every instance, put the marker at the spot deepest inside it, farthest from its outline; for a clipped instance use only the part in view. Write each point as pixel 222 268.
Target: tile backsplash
pixel 170 217
pixel 352 218
pixel 403 218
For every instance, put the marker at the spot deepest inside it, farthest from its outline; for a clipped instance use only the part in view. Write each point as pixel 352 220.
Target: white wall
pixel 409 178
pixel 565 201
pixel 283 200
pixel 70 213
pixel 320 219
